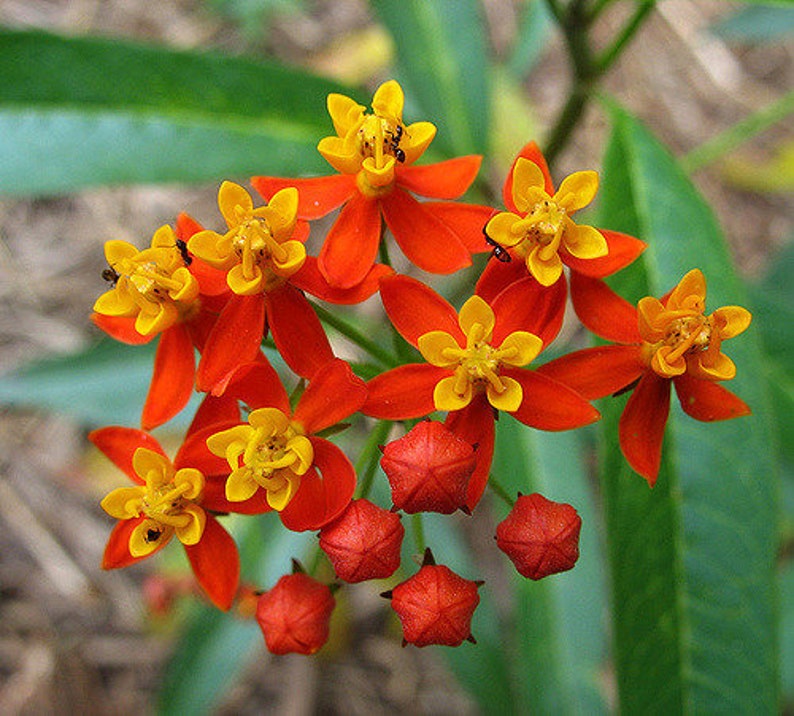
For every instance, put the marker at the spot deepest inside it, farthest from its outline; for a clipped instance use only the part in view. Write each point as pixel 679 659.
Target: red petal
pixel 172 379
pixel 403 393
pixel 443 180
pixel 186 226
pixel 351 245
pixel 424 239
pixel 122 328
pixel 117 551
pixel 549 405
pixel 527 306
pixel 623 249
pixel 213 410
pixel 532 152
pixel 641 427
pixel 321 499
pixel 258 385
pixel 297 332
pixel 310 279
pixel 234 340
pixel 475 424
pixel 216 564
pixel 333 394
pixel 201 326
pixel 317 196
pixel 465 220
pixel 416 309
pixel 119 445
pixel 498 275
pixel 194 451
pixel 212 281
pixel 602 311
pixel 597 372
pixel 707 401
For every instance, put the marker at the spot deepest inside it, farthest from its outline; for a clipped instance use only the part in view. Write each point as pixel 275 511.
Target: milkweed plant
pixel 418 346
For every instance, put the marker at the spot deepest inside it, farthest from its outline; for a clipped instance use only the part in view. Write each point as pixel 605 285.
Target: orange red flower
pixel 659 342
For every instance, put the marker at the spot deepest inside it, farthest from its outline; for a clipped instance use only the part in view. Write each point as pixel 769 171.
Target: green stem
pixel 356 336
pixel 500 491
pixel 629 29
pixel 723 143
pixel 419 532
pixel 367 462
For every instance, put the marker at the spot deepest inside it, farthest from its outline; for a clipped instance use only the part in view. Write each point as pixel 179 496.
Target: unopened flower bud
pixel 363 542
pixel 435 606
pixel 541 537
pixel 428 469
pixel 295 614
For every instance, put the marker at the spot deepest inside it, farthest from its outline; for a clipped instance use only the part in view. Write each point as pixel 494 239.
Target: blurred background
pixel 74 639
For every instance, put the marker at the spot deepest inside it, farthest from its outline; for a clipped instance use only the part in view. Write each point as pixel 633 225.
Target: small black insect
pixel 499 252
pixel 110 275
pixel 182 246
pixel 394 144
pixel 153 535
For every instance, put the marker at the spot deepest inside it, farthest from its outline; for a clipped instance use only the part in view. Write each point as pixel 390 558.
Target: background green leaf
pixel 693 559
pixel 83 111
pixel 443 64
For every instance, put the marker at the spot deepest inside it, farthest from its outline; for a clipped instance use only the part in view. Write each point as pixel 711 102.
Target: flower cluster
pixel 260 441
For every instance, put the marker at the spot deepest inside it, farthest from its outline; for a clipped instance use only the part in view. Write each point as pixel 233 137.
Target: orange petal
pixel 351 245
pixel 527 306
pixel 296 330
pixel 532 152
pixel 641 427
pixel 311 280
pixel 549 405
pixel 186 226
pixel 117 551
pixel 321 497
pixel 194 453
pixel 602 311
pixel 119 445
pixel 258 385
pixel 475 424
pixel 216 564
pixel 466 221
pixel 213 410
pixel 122 328
pixel 333 394
pixel 597 372
pixel 443 180
pixel 416 309
pixel 234 340
pixel 708 401
pixel 424 239
pixel 317 196
pixel 172 378
pixel 498 275
pixel 403 393
pixel 622 249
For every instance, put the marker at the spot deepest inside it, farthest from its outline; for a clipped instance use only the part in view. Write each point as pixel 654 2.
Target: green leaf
pixel 693 559
pixel 534 32
pixel 558 623
pixel 443 63
pixel 760 23
pixel 86 385
pixel 84 111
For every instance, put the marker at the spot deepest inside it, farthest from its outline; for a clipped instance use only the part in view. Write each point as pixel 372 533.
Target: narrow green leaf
pixel 443 63
pixel 535 29
pixel 759 23
pixel 85 111
pixel 558 625
pixel 693 559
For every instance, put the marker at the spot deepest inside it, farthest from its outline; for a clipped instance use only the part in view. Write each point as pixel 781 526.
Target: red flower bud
pixel 363 542
pixel 428 469
pixel 541 537
pixel 295 614
pixel 435 606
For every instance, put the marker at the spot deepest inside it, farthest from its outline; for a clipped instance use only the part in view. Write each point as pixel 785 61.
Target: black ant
pixel 181 245
pixel 500 253
pixel 394 144
pixel 152 535
pixel 110 275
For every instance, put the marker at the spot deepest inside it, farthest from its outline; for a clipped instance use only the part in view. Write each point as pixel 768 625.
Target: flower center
pixel 150 284
pixel 256 247
pixel 379 138
pixel 478 362
pixel 543 226
pixel 690 334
